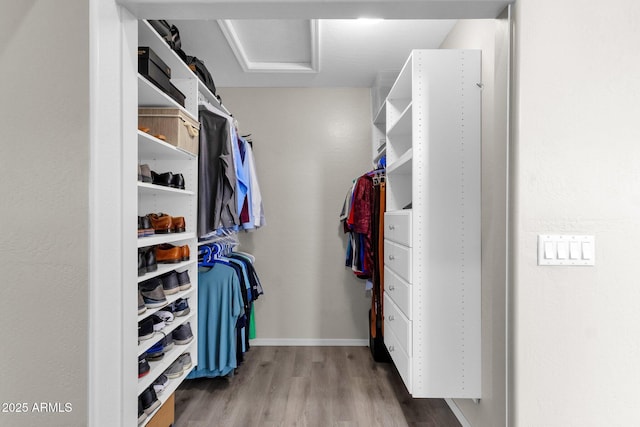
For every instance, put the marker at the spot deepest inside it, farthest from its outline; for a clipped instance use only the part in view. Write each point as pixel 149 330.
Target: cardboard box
pixel 165 415
pixel 179 128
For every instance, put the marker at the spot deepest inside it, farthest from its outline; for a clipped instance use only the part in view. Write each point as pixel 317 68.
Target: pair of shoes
pixel 143 366
pixel 144 227
pixel 167 253
pixel 177 368
pixel 152 293
pixel 144 173
pixel 163 223
pixel 149 401
pixel 168 179
pixel 182 335
pixel 173 282
pixel 147 260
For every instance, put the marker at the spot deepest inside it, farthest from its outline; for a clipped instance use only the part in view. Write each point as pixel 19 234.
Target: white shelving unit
pixel 163 157
pixel 432 224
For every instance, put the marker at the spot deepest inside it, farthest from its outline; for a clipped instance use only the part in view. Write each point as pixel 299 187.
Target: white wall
pixel 309 145
pixel 44 158
pixel 491 37
pixel 577 171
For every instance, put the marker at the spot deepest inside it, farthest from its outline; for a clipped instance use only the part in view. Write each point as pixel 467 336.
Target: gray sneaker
pixel 185 358
pixel 152 293
pixel 141 307
pixel 175 370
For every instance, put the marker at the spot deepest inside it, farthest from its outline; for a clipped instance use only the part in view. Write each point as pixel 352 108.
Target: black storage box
pixel 154 69
pixel 176 94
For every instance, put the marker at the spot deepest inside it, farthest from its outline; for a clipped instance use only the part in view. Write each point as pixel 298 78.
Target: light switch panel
pixel 558 249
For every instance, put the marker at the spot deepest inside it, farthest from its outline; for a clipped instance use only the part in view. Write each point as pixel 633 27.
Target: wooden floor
pixel 307 386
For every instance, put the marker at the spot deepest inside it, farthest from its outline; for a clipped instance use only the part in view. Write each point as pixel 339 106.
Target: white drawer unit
pixel 398 323
pixel 398 259
pixel 432 241
pixel 399 291
pixel 397 227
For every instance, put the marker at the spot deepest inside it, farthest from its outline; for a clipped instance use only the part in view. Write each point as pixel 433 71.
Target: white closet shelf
pixel 152 148
pixel 159 239
pixel 401 89
pixel 157 368
pixel 403 165
pixel 381 116
pixel 165 268
pixel 147 344
pixel 170 298
pixel 149 96
pixel 147 188
pixel 402 126
pixel 209 96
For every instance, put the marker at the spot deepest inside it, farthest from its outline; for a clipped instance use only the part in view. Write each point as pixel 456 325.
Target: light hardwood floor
pixel 307 387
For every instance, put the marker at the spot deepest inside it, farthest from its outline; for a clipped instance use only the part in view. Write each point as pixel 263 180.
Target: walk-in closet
pixel 320 202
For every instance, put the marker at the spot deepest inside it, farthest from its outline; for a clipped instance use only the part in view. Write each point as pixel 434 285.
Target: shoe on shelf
pixel 177 181
pixel 145 173
pixel 160 383
pixel 163 179
pixel 185 252
pixel 155 353
pixel 142 265
pixel 141 414
pixel 182 335
pixel 167 342
pixel 141 307
pixel 145 329
pixel 165 314
pixel 158 323
pixel 152 293
pixel 185 359
pixel 180 307
pixel 145 228
pixel 143 366
pixel 161 223
pixel 184 281
pixel 178 224
pixel 150 400
pixel 175 369
pixel 170 283
pixel 167 253
pixel 150 259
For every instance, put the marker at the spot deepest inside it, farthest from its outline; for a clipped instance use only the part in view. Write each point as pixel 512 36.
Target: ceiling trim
pixel 270 67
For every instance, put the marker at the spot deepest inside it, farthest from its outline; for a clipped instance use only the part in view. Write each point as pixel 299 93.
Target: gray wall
pixel 44 159
pixel 577 171
pixel 309 146
pixel 490 36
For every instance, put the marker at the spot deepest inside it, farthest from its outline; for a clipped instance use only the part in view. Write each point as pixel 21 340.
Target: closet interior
pixel 410 224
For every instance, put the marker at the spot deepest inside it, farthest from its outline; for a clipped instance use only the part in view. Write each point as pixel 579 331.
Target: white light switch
pixel 557 249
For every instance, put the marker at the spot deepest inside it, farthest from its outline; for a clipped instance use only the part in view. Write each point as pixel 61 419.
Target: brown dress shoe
pixel 185 252
pixel 169 254
pixel 161 223
pixel 178 224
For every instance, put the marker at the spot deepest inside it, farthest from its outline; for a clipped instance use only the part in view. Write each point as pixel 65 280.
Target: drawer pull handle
pixel 391 348
pixel 392 227
pixel 391 317
pixel 392 288
pixel 391 257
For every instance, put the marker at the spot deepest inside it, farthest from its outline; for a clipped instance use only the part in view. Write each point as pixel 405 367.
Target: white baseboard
pixel 457 412
pixel 295 342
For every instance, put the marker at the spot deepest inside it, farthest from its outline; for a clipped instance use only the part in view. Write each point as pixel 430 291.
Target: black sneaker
pixel 182 335
pixel 160 383
pixel 145 329
pixel 180 307
pixel 141 414
pixel 150 400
